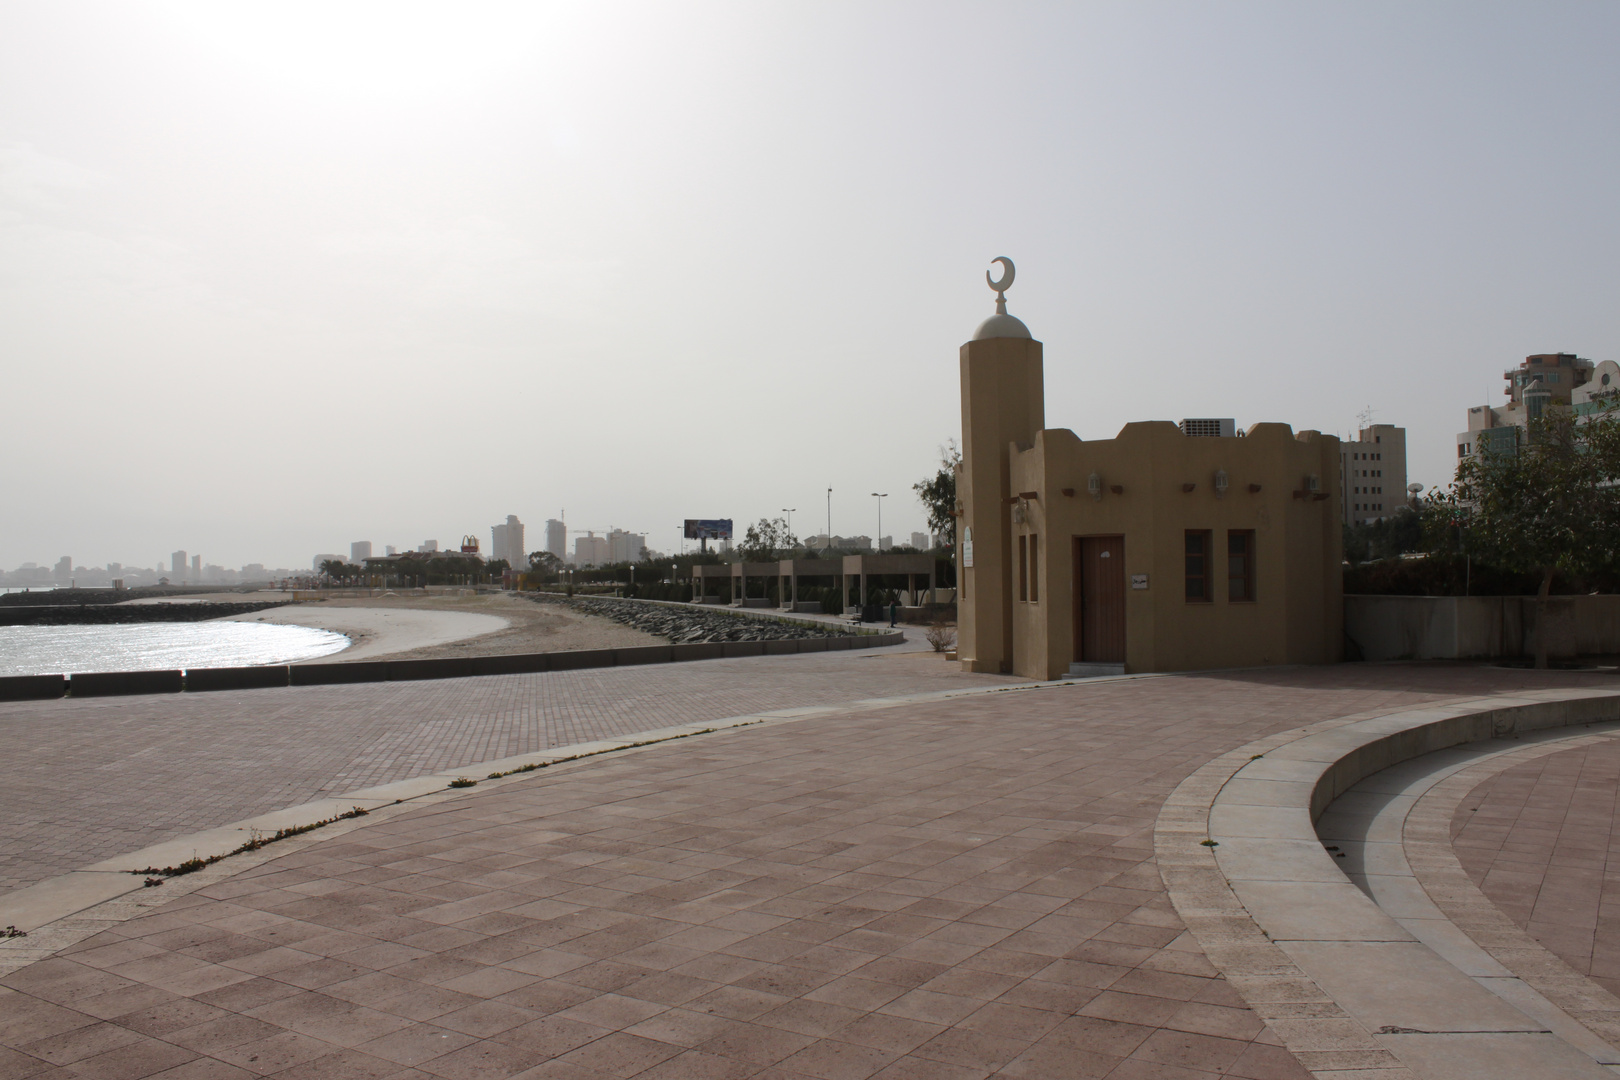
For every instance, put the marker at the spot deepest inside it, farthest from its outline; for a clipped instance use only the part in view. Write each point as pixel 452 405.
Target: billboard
pixel 708 528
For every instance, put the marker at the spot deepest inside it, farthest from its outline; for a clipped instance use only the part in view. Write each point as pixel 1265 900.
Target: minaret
pixel 1003 403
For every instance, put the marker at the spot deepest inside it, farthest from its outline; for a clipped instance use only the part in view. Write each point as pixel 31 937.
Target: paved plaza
pixel 1540 839
pixel 90 779
pixel 942 889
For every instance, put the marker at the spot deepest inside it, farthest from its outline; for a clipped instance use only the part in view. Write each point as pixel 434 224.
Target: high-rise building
pixel 516 542
pixel 557 538
pixel 196 568
pixel 178 566
pixel 359 552
pixel 591 550
pixel 626 546
pixel 390 549
pixel 1543 379
pixel 506 542
pixel 64 569
pixel 428 547
pixel 1373 472
pixel 920 541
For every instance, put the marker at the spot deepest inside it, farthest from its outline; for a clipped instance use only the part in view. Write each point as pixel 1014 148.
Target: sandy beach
pixel 413 627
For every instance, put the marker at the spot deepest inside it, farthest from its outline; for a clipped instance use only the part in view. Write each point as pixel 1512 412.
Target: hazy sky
pixel 275 278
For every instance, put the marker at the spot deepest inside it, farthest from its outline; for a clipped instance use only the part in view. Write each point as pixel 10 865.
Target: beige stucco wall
pixel 1297 615
pixel 1002 403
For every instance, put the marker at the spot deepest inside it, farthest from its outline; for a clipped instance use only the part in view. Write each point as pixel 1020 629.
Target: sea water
pixel 49 650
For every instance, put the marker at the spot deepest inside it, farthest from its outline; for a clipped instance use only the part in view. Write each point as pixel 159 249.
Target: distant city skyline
pixel 281 278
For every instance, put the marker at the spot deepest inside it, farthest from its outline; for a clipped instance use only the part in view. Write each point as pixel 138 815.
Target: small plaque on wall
pixel 1138 581
pixel 967 547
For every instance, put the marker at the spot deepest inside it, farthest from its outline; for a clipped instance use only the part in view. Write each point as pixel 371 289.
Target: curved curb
pixel 1427 838
pixel 61 911
pixel 1329 972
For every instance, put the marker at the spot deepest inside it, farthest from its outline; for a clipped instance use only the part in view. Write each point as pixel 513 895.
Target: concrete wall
pixel 1477 627
pixel 98 684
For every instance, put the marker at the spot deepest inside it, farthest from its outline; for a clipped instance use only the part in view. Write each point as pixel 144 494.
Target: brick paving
pixel 1540 840
pixel 91 779
pixel 947 890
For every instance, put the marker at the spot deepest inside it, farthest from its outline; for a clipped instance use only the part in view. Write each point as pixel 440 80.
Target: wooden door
pixel 1099 600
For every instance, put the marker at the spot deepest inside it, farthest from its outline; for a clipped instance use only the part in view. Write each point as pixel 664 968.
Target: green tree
pixel 767 540
pixel 338 570
pixel 938 493
pixel 1401 532
pixel 1546 506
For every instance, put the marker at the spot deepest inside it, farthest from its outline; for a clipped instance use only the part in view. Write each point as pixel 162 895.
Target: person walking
pixel 894 612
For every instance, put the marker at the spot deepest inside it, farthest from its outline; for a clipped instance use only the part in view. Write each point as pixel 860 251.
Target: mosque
pixel 1166 548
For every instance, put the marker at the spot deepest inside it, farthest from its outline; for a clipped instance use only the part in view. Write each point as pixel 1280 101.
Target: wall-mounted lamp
pixel 1313 483
pixel 1221 482
pixel 1094 486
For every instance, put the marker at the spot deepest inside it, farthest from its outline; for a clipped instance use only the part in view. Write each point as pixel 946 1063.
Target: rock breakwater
pixel 683 626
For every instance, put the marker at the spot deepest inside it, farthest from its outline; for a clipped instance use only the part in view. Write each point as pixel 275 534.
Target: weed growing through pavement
pixel 259 840
pixel 12 931
pixel 610 750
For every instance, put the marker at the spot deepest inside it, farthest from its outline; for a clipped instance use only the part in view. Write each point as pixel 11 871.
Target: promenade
pixel 98 777
pixel 953 888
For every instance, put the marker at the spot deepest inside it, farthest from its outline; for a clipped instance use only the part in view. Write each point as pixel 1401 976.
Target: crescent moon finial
pixel 1001 287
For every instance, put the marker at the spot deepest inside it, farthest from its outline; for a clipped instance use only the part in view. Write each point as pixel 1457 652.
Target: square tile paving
pixel 952 889
pixel 95 778
pixel 1540 841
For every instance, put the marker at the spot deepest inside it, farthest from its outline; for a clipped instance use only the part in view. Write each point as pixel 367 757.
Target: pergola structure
pixel 866 567
pixel 702 574
pixel 740 573
pixel 789 571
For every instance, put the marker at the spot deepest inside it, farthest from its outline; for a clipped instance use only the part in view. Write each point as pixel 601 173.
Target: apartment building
pixel 1373 474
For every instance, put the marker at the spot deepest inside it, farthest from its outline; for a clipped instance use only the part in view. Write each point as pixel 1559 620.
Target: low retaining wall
pixel 1478 627
pixel 116 614
pixel 97 684
pixel 1338 978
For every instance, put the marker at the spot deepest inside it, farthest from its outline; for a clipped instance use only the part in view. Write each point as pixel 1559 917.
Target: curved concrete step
pixel 1345 983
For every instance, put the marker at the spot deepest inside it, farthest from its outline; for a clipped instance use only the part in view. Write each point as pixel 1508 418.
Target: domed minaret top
pixel 1001 324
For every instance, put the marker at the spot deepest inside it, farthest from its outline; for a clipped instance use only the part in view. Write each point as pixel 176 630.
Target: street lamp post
pixel 789 513
pixel 877 541
pixel 829 519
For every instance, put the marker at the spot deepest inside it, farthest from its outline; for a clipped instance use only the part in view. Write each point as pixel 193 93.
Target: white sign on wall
pixel 967 546
pixel 1138 581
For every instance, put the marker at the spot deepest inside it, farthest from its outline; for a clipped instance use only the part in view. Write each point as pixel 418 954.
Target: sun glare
pixel 369 51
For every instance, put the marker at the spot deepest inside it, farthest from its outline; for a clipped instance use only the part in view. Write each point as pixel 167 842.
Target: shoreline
pixel 375 632
pixel 406 627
